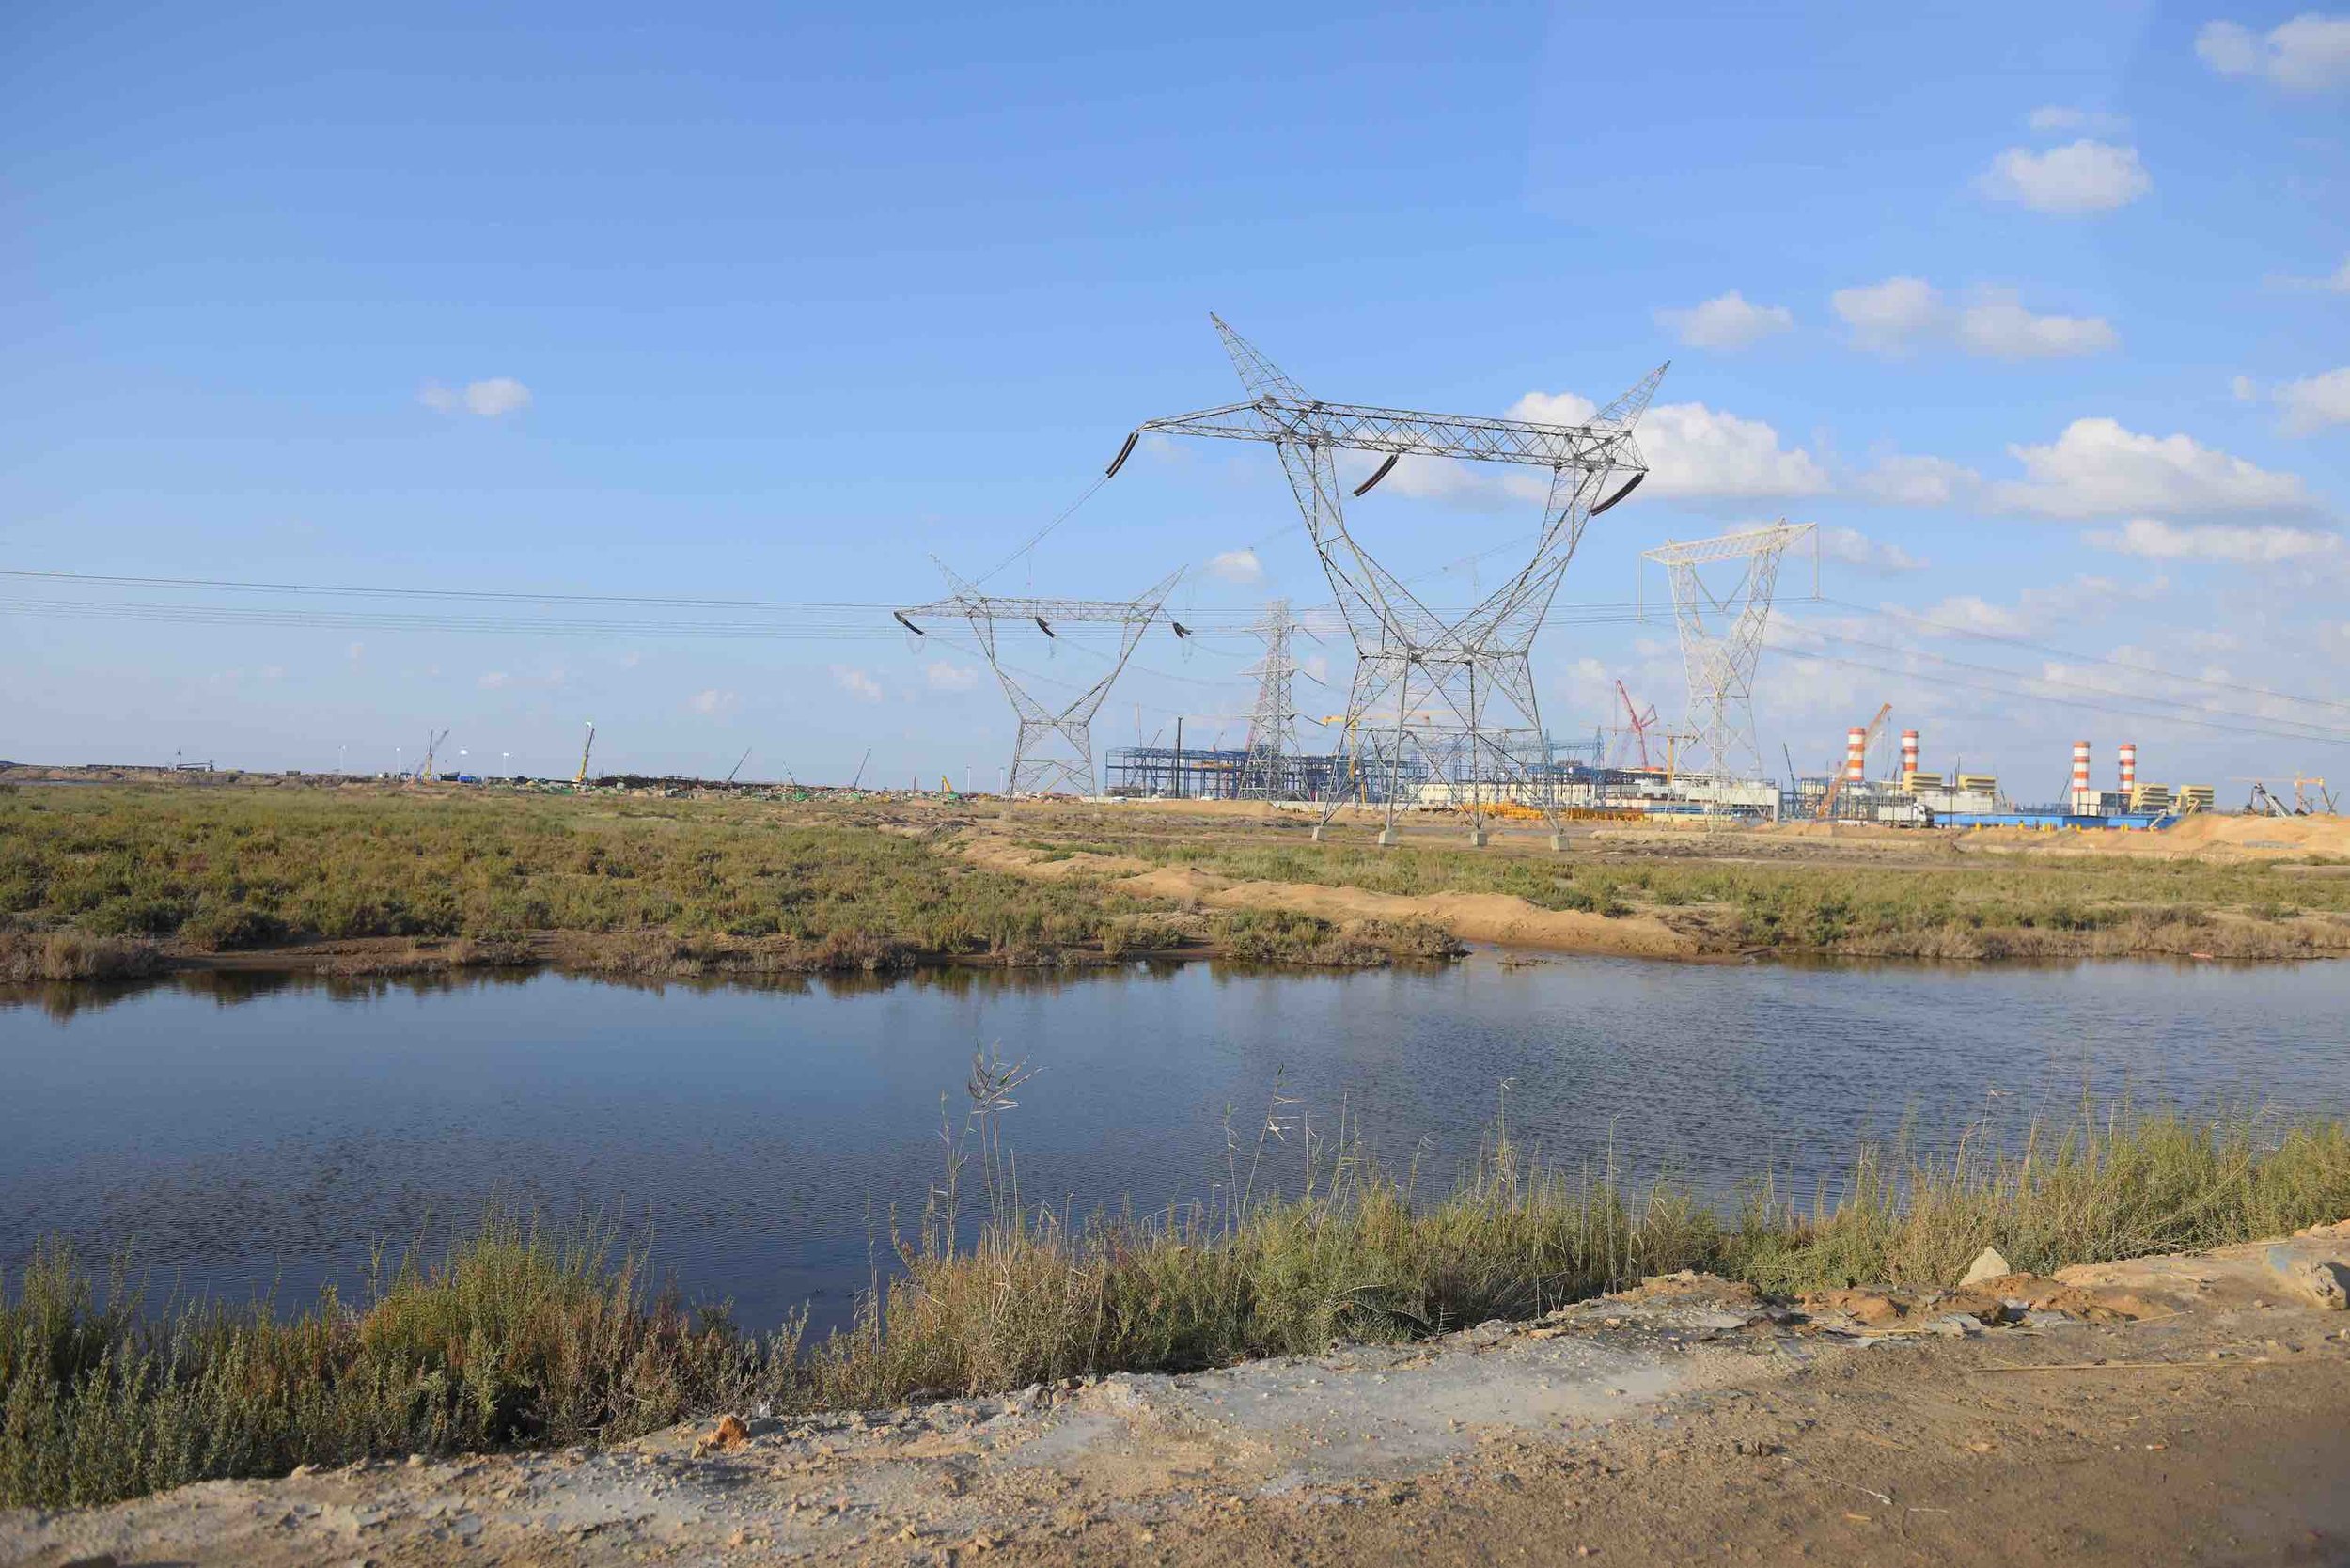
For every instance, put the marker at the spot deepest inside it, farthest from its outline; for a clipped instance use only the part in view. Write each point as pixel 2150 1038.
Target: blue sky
pixel 2043 314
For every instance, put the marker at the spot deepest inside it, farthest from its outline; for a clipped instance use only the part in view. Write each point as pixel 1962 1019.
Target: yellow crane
pixel 583 752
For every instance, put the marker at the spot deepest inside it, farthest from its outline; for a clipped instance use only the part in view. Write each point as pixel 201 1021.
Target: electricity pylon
pixel 1266 771
pixel 1470 672
pixel 1053 745
pixel 1720 663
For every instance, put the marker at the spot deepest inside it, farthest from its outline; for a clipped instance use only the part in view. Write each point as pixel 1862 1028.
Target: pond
pixel 254 1133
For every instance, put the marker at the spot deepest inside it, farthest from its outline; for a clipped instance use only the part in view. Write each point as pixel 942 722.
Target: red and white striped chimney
pixel 1855 755
pixel 2084 798
pixel 1910 752
pixel 2129 766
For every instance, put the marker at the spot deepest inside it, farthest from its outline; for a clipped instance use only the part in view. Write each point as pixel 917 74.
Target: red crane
pixel 1632 735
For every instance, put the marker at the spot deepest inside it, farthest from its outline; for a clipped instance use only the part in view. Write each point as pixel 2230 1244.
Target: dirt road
pixel 2173 1410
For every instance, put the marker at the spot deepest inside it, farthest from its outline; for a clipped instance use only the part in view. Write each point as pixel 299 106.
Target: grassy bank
pixel 1926 904
pixel 106 881
pixel 517 1335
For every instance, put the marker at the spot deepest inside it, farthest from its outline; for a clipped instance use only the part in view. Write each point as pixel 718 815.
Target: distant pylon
pixel 1268 772
pixel 1720 660
pixel 1052 747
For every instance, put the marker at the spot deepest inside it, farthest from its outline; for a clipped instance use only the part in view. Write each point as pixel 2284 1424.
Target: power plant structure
pixel 1913 797
pixel 1460 688
pixel 1441 709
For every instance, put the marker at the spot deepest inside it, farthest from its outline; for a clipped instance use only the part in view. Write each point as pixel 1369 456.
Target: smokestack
pixel 2084 798
pixel 1855 755
pixel 1909 753
pixel 2129 766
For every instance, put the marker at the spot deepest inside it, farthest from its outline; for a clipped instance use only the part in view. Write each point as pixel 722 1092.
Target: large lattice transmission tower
pixel 1722 619
pixel 1054 746
pixel 1269 771
pixel 1448 695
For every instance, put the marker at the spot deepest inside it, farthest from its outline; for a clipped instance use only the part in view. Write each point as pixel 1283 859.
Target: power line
pixel 2068 703
pixel 2325 731
pixel 2086 658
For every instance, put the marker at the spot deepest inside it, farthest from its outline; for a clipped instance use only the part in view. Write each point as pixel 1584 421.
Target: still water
pixel 254 1134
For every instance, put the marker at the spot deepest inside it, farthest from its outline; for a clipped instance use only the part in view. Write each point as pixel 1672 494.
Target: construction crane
pixel 738 764
pixel 583 752
pixel 1835 771
pixel 1636 726
pixel 431 743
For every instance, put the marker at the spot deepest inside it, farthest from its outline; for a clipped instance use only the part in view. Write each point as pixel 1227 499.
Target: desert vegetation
pixel 520 1335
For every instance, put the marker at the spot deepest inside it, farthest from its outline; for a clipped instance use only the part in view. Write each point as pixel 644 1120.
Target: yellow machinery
pixel 583 752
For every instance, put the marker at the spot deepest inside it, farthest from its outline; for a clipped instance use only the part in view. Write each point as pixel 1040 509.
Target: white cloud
pixel 2000 327
pixel 710 703
pixel 491 399
pixel 1906 481
pixel 2096 469
pixel 856 682
pixel 1726 322
pixel 2315 402
pixel 1890 317
pixel 2056 116
pixel 1237 566
pixel 1693 450
pixel 2060 605
pixel 2335 282
pixel 2309 53
pixel 2244 389
pixel 944 674
pixel 1854 548
pixel 2081 177
pixel 496 680
pixel 357 651
pixel 2155 539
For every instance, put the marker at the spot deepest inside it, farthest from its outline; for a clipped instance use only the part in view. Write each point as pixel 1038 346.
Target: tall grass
pixel 521 1336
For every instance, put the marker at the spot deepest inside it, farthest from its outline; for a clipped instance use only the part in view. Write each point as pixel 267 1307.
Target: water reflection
pixel 257 1129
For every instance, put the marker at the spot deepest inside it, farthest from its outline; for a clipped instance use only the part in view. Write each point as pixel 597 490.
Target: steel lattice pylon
pixel 1052 746
pixel 1720 665
pixel 1266 771
pixel 1460 689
